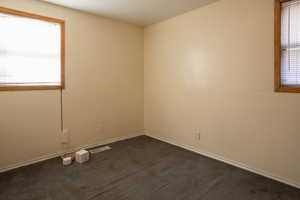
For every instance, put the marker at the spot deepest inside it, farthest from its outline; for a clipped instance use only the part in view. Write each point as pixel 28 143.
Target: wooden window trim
pixel 277 53
pixel 48 19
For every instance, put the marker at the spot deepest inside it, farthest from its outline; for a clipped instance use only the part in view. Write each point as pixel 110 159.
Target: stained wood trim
pixel 283 1
pixel 29 15
pixel 288 90
pixel 277 45
pixel 63 33
pixel 48 19
pixel 277 50
pixel 15 88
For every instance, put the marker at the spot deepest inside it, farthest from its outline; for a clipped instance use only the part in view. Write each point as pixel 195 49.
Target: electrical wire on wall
pixel 63 133
pixel 61 112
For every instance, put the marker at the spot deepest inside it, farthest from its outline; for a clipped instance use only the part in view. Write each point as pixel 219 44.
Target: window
pixel 287 45
pixel 31 51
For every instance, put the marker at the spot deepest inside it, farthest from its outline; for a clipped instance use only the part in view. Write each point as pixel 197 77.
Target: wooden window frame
pixel 277 45
pixel 47 19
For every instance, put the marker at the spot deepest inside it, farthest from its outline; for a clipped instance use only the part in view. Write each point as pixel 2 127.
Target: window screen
pixel 30 52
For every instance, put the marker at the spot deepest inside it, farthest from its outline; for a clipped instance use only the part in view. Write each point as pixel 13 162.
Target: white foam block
pixel 82 156
pixel 67 161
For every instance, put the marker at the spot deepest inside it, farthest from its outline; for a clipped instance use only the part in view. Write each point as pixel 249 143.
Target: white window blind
pixel 30 51
pixel 290 44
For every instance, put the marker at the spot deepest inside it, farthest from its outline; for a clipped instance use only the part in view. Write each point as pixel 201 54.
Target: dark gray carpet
pixel 141 169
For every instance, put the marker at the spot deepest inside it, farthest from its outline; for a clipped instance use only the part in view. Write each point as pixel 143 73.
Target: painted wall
pixel 212 69
pixel 104 89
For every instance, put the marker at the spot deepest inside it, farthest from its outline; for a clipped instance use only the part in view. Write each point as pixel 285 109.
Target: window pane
pixel 29 51
pixel 290 43
pixel 290 67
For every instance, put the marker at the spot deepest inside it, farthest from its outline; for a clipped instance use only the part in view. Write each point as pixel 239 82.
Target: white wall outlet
pixel 65 136
pixel 197 134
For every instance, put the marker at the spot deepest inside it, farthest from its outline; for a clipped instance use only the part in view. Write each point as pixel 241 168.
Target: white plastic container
pixel 82 156
pixel 67 161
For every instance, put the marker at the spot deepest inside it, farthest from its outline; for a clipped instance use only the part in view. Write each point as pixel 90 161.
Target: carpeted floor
pixel 141 168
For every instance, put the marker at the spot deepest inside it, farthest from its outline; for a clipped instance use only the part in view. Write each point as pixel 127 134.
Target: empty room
pixel 149 99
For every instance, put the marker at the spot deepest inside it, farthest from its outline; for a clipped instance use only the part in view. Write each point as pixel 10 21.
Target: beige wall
pixel 212 69
pixel 104 94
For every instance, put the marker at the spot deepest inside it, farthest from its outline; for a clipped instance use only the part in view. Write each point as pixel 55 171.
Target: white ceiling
pixel 140 12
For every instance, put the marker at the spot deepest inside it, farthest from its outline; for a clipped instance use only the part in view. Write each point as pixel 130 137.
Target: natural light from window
pixel 30 52
pixel 290 44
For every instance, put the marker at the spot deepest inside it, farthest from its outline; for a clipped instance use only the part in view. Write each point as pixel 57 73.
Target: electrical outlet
pixel 197 134
pixel 65 136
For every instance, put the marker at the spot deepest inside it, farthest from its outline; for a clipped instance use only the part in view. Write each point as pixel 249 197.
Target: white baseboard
pixel 231 162
pixel 57 154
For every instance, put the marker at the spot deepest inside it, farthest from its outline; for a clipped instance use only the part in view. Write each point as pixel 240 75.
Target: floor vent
pixel 100 149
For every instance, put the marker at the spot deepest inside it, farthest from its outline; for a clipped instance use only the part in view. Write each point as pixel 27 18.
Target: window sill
pixel 24 88
pixel 288 90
